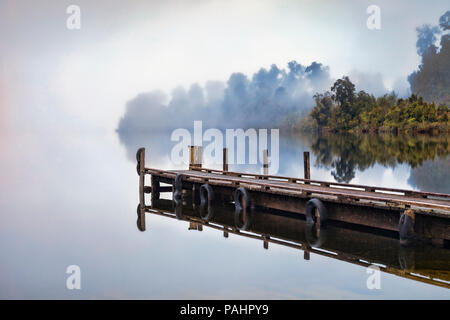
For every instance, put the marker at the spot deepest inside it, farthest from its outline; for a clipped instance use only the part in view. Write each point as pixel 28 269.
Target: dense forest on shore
pixel 425 111
pixel 344 110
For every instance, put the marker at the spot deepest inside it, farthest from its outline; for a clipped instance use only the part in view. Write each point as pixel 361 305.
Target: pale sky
pixel 52 78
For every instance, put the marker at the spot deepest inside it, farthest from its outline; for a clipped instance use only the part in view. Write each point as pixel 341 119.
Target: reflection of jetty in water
pixel 347 153
pixel 355 245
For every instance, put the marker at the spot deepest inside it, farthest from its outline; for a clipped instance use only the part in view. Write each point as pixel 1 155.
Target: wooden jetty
pixel 424 263
pixel 414 215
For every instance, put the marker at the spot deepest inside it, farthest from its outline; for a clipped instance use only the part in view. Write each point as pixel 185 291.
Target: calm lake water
pixel 71 200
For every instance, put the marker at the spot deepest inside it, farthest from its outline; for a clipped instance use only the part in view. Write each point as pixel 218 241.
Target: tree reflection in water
pixel 347 153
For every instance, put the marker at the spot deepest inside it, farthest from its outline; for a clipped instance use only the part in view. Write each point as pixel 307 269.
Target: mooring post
pixel 192 226
pixel 306 168
pixel 306 254
pixel 225 159
pixel 191 156
pixel 265 243
pixel 266 161
pixel 141 188
pixel 195 157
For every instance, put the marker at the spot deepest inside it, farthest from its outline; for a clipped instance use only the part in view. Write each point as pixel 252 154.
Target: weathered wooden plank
pixel 301 190
pixel 306 166
pixel 339 185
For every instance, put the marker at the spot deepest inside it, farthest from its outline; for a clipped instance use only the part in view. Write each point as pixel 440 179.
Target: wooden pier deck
pixel 378 207
pixel 436 204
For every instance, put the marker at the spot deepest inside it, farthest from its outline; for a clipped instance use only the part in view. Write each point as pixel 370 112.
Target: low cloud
pixel 432 79
pixel 260 101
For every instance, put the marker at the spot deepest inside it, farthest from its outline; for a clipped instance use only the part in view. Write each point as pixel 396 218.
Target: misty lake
pixel 71 199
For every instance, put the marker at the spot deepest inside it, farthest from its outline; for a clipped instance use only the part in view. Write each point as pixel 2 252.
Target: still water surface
pixel 71 199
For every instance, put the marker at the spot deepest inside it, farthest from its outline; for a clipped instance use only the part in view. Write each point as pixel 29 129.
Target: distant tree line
pixel 344 110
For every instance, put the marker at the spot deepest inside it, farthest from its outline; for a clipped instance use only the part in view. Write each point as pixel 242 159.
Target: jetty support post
pixel 306 166
pixel 142 187
pixel 266 242
pixel 266 161
pixel 306 254
pixel 195 157
pixel 225 159
pixel 195 161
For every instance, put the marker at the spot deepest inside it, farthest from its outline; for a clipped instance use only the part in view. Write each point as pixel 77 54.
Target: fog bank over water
pixel 432 79
pixel 261 100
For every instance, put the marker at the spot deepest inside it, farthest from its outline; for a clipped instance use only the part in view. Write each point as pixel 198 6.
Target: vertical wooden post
pixel 195 157
pixel 225 159
pixel 141 188
pixel 307 172
pixel 306 254
pixel 198 156
pixel 266 161
pixel 192 226
pixel 191 156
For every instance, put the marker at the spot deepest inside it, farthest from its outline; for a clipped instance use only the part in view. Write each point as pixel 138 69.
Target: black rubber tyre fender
pixel 178 183
pixel 406 227
pixel 406 258
pixel 138 224
pixel 138 221
pixel 241 199
pixel 315 237
pixel 242 204
pixel 138 210
pixel 206 194
pixel 138 154
pixel 312 206
pixel 206 202
pixel 206 212
pixel 178 186
pixel 178 209
pixel 138 159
